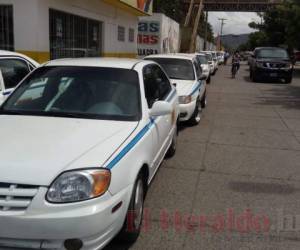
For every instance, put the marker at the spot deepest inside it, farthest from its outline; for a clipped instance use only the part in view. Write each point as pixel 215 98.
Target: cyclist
pixel 236 58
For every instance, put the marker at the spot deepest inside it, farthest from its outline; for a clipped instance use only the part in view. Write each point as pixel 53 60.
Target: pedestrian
pixel 226 57
pixel 236 58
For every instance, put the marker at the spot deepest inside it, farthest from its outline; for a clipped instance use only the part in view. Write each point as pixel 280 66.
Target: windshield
pixel 180 69
pixel 202 59
pixel 272 53
pixel 209 57
pixel 80 92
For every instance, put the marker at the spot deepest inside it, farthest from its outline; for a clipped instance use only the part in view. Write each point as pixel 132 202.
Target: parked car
pixel 186 74
pixel 81 140
pixel 13 68
pixel 214 63
pixel 221 57
pixel 202 60
pixel 271 63
pixel 210 63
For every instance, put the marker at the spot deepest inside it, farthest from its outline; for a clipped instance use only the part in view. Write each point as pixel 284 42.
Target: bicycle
pixel 234 69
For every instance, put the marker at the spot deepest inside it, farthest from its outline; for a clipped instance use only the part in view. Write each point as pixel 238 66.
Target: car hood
pixel 273 60
pixel 35 150
pixel 184 87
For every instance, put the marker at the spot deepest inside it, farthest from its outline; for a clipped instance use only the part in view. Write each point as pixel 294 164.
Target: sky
pixel 236 23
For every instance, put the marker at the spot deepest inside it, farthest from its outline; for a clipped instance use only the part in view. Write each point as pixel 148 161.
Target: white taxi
pixel 13 68
pixel 81 140
pixel 186 74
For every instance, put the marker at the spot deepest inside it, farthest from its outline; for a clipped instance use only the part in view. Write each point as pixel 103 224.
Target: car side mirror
pixel 202 78
pixel 161 108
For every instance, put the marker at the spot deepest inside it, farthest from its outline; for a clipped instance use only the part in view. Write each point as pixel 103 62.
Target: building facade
pixel 51 29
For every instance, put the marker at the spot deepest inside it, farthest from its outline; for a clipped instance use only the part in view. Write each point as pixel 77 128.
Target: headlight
pixel 185 99
pixel 79 185
pixel 260 64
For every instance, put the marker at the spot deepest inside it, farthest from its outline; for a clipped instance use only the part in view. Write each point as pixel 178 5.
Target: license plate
pixel 273 74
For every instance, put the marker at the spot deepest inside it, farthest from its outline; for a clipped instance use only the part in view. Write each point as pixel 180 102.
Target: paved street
pixel 245 154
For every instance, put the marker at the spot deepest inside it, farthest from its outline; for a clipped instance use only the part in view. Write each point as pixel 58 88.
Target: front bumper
pixel 267 73
pixel 47 226
pixel 186 111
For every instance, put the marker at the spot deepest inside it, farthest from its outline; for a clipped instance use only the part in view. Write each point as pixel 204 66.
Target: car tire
pixel 172 149
pixel 196 117
pixel 133 222
pixel 208 80
pixel 204 101
pixel 288 80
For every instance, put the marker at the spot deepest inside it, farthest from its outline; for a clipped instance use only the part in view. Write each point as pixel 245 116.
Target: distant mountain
pixel 234 41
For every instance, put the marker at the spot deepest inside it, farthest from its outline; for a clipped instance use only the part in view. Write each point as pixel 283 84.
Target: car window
pixel 157 84
pixel 13 71
pixel 163 82
pixel 151 85
pixel 82 92
pixel 181 69
pixel 272 53
pixel 202 59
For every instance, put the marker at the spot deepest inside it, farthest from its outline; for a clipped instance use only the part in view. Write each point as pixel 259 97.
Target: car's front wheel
pixel 196 117
pixel 208 81
pixel 288 80
pixel 133 223
pixel 204 101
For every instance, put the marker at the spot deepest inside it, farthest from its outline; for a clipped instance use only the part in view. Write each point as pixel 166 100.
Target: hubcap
pixel 199 111
pixel 138 204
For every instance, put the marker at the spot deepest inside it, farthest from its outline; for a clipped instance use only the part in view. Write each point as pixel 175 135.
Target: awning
pixel 126 7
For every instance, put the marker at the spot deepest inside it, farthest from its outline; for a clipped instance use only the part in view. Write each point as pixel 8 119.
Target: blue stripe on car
pixel 172 94
pixel 198 86
pixel 131 144
pixel 7 93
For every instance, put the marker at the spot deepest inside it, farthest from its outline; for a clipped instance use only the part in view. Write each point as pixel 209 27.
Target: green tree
pixel 280 27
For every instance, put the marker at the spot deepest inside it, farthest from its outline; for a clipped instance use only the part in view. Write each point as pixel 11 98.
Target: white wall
pixel 168 36
pixel 31 23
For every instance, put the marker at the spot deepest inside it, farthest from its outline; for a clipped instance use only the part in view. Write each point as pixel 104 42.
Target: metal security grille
pixel 6 27
pixel 74 36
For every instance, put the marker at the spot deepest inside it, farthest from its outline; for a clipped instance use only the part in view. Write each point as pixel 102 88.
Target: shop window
pixel 121 34
pixel 74 36
pixel 6 27
pixel 131 35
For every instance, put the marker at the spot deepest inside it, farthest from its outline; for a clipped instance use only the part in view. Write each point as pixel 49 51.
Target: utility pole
pixel 206 27
pixel 189 14
pixel 195 30
pixel 222 25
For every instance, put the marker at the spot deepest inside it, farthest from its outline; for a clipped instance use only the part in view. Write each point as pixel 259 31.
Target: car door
pixel 200 83
pixel 158 87
pixel 13 70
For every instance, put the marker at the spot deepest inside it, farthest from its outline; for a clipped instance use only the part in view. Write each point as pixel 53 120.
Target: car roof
pixel 103 62
pixel 172 56
pixel 4 53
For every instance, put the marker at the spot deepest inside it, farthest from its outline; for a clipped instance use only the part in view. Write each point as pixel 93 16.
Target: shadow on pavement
pixel 117 245
pixel 285 95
